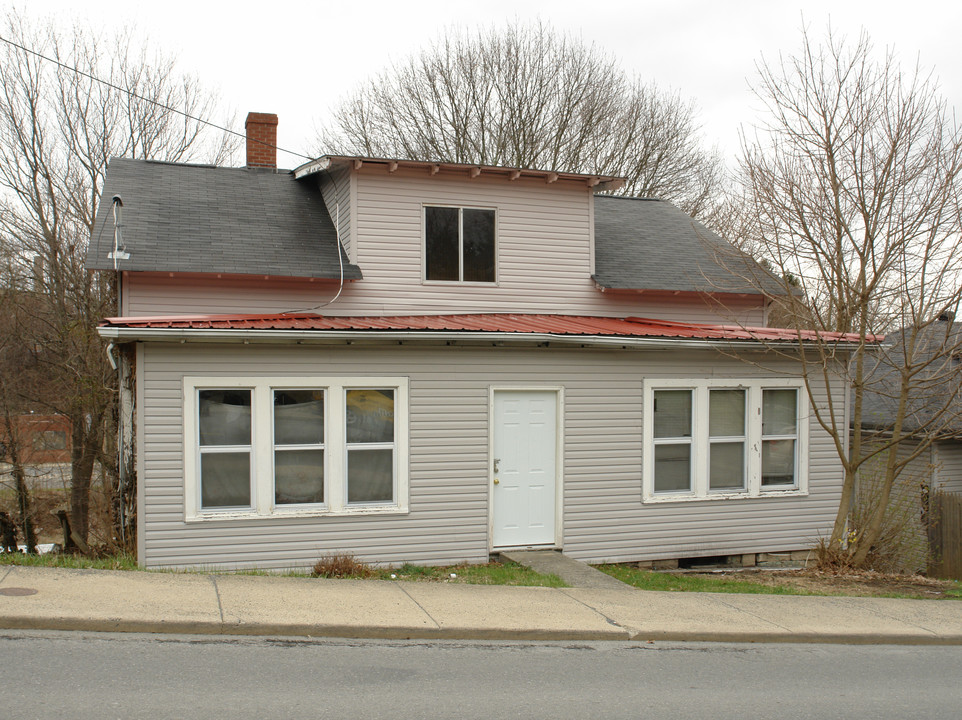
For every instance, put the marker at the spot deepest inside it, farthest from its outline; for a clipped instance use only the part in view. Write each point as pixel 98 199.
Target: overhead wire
pixel 132 94
pixel 208 123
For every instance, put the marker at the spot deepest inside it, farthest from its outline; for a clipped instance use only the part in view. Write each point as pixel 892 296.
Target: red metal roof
pixel 480 323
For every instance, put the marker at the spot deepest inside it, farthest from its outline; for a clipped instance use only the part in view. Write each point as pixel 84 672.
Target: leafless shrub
pixel 341 566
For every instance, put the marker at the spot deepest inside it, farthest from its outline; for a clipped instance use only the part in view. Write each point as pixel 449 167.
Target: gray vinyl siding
pixel 149 294
pixel 336 191
pixel 604 518
pixel 903 515
pixel 948 462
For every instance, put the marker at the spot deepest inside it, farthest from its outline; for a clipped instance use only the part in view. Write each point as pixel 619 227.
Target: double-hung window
pixel 294 446
pixel 299 442
pixel 459 244
pixel 371 447
pixel 779 438
pixel 714 438
pixel 726 439
pixel 672 422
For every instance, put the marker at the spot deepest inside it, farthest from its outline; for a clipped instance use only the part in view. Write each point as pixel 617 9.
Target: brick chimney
pixel 261 131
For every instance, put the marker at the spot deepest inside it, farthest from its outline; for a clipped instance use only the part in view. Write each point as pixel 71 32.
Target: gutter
pixel 311 337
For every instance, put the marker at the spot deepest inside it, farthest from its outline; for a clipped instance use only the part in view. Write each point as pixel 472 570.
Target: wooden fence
pixel 945 535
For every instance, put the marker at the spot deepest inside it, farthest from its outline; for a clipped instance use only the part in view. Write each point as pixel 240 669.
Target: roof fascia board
pixel 313 167
pixel 320 336
pixel 596 183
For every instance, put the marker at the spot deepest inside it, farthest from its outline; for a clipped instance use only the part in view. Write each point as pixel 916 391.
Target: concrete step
pixel 574 572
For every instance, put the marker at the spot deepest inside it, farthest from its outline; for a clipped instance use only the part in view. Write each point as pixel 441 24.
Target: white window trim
pixel 424 246
pixel 323 446
pixel 700 442
pixel 262 443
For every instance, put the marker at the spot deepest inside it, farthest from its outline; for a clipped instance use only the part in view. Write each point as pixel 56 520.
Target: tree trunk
pixel 20 483
pixel 86 443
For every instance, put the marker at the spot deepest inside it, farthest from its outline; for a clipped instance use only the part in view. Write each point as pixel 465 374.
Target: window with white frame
pixel 779 437
pixel 293 446
pixel 714 438
pixel 671 420
pixel 459 244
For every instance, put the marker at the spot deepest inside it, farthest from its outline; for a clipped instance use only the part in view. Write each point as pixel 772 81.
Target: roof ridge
pixel 644 198
pixel 206 166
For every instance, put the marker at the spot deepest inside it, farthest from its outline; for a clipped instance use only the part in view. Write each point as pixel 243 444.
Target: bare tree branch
pixel 58 130
pixel 850 194
pixel 527 97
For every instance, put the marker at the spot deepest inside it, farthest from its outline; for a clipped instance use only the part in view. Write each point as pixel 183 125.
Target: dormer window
pixel 459 244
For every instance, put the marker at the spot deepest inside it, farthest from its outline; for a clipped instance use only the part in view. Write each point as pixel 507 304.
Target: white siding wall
pixel 604 518
pixel 544 260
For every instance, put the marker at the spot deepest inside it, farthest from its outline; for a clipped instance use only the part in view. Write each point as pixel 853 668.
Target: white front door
pixel 524 467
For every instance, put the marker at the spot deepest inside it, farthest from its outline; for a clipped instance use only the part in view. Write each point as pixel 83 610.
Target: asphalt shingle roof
pixel 200 218
pixel 934 402
pixel 649 244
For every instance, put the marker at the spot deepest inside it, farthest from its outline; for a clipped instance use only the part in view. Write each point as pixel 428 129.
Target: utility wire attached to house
pixel 132 94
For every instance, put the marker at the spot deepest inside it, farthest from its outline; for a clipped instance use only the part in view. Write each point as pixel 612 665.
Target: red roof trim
pixel 481 323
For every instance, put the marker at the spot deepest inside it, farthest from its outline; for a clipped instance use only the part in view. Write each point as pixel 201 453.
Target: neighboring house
pixel 428 362
pixel 932 430
pixel 41 439
pixel 934 409
pixel 43 446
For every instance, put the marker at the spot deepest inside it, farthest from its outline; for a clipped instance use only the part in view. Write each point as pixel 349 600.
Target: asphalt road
pixel 76 675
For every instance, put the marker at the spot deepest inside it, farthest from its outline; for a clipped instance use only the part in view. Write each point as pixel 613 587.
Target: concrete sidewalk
pixel 101 600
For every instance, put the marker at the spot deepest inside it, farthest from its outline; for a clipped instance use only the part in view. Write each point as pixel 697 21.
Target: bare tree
pixel 14 366
pixel 851 193
pixel 527 97
pixel 58 129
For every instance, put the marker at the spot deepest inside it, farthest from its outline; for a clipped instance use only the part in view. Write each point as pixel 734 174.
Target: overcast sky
pixel 298 58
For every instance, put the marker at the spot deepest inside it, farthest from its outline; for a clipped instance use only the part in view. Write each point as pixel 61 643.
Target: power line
pixel 131 93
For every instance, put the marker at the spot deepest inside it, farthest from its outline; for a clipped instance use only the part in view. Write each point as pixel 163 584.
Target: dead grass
pixel 341 566
pixel 849 582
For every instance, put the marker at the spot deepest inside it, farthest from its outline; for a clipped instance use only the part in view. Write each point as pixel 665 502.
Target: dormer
pixel 373 236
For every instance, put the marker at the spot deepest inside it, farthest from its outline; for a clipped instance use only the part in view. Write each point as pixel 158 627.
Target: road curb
pixel 800 638
pixel 306 630
pixel 420 633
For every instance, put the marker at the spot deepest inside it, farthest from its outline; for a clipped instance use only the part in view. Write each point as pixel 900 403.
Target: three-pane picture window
pixel 459 244
pixel 264 447
pixel 714 438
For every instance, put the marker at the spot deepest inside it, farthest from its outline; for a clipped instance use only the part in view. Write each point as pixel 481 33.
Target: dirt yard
pixel 868 584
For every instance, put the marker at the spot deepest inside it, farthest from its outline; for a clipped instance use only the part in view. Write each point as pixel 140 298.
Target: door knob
pixel 496 481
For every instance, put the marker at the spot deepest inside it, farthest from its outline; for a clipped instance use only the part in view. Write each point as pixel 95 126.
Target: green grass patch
pixel 122 561
pixel 681 582
pixel 493 573
pixel 649 580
